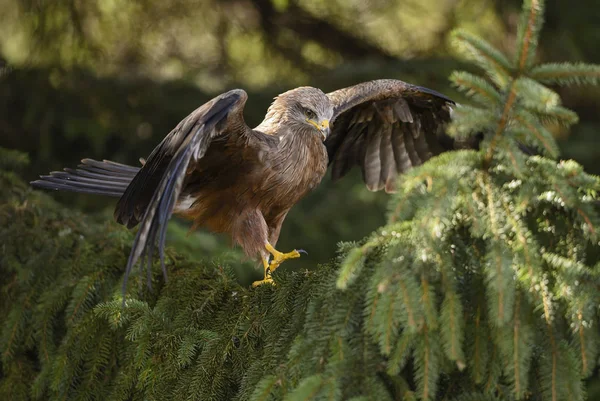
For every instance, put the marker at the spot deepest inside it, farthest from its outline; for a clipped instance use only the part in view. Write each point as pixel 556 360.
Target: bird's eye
pixel 311 115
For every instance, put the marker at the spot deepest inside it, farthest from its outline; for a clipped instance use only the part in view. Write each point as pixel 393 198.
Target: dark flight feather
pixel 392 125
pixel 156 188
pixel 92 177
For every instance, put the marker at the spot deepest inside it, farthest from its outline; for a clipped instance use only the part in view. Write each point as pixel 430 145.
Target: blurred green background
pixel 109 78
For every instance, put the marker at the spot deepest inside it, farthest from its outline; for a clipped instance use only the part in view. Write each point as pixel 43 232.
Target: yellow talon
pixel 278 258
pixel 267 278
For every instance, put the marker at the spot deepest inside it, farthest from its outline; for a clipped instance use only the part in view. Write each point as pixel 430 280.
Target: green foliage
pixel 255 43
pixel 566 74
pixel 483 284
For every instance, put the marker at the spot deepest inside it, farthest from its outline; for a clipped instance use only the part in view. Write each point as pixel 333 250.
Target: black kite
pixel 216 171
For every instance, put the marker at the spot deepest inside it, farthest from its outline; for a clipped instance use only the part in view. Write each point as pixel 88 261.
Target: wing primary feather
pixel 403 110
pixel 409 142
pixel 160 208
pixel 149 256
pixel 418 134
pixel 372 161
pixel 167 203
pixel 157 213
pixel 388 164
pixel 400 155
pixel 346 155
pixel 141 270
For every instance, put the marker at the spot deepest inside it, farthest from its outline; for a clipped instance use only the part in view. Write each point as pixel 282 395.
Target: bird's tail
pixel 92 177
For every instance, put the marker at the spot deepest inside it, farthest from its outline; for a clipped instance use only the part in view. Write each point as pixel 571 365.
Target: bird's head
pixel 303 109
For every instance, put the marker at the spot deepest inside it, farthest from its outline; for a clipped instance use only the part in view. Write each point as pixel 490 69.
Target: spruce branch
pixel 473 48
pixel 528 33
pixel 452 328
pixel 530 131
pixel 516 88
pixel 476 87
pixel 566 74
pixel 401 353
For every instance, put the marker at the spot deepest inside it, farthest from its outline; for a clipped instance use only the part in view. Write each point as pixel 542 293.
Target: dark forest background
pixel 108 79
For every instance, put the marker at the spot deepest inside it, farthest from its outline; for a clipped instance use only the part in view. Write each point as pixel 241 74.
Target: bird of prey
pixel 223 175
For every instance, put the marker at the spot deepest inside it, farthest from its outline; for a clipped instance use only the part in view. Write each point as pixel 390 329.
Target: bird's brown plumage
pixel 216 171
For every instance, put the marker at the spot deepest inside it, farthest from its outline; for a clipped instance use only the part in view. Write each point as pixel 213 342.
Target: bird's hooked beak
pixel 323 127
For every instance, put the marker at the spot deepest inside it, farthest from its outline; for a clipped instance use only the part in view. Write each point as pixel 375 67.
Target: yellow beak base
pixel 323 127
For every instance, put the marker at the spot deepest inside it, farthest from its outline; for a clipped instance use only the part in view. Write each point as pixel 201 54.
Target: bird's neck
pixel 273 123
pixel 276 119
pixel 268 126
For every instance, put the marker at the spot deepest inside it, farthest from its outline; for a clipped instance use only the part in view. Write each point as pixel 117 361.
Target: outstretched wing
pixel 386 127
pixel 153 192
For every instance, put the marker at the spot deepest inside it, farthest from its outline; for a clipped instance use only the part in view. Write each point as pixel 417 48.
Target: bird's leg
pixel 279 257
pixel 267 278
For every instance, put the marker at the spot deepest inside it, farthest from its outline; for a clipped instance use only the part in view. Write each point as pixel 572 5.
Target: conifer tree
pixel 483 285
